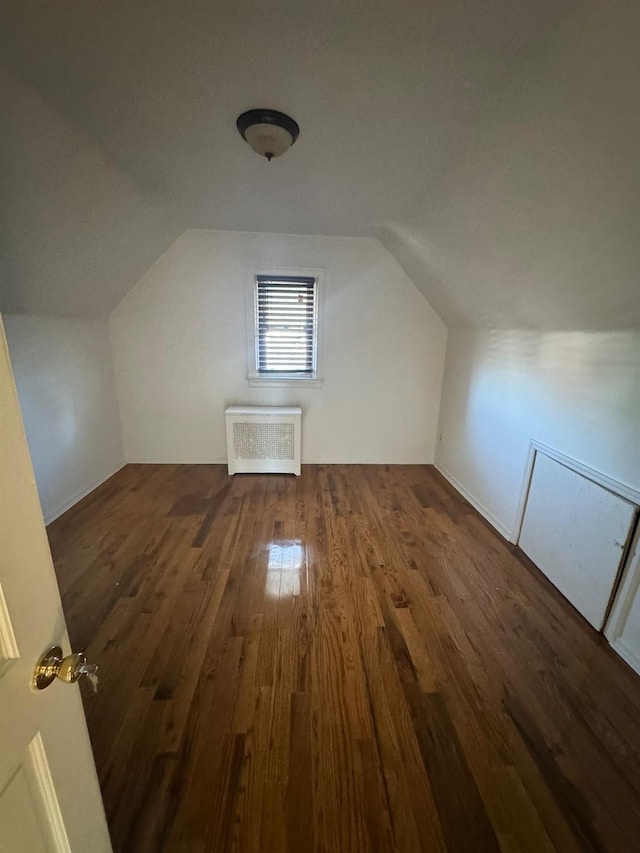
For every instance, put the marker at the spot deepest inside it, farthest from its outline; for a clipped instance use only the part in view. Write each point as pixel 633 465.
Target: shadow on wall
pixel 578 392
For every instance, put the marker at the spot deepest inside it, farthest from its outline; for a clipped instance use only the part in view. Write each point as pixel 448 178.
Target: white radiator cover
pixel 263 439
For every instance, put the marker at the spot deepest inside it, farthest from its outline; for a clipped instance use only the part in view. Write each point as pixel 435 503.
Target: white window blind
pixel 286 314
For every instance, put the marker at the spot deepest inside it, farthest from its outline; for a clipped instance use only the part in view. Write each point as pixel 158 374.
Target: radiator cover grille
pixel 263 439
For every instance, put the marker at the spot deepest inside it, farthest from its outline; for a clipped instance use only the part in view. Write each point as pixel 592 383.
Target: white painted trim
pixel 283 382
pixel 630 584
pixel 217 460
pixel 490 517
pixel 46 789
pixel 222 460
pixel 413 461
pixel 627 591
pixel 623 490
pixel 250 273
pixel 81 493
pixel 524 493
pixel 627 654
pixel 8 643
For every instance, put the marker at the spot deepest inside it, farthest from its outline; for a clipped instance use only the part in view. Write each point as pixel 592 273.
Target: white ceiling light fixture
pixel 268 132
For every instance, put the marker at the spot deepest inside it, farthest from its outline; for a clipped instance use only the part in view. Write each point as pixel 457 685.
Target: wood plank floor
pixel 351 660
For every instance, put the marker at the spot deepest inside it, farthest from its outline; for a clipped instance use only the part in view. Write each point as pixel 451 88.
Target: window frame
pixel 281 380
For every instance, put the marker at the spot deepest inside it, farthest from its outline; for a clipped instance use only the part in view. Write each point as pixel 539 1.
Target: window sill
pixel 284 382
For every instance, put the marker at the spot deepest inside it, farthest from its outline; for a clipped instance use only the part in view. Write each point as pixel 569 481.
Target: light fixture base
pixel 270 133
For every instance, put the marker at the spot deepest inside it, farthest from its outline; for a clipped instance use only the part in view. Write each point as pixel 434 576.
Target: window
pixel 285 327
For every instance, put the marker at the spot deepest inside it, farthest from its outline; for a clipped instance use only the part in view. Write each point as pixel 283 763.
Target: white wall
pixel 578 392
pixel 535 224
pixel 180 354
pixel 64 376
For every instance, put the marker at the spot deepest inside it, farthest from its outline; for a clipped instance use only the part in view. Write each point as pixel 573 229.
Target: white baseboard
pixel 217 460
pixel 627 654
pixel 81 493
pixel 222 460
pixel 493 521
pixel 363 462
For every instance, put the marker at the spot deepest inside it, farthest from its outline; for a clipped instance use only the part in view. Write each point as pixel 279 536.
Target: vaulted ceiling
pixel 491 146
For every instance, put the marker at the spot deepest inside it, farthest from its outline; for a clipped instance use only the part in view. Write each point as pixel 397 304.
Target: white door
pixel 575 531
pixel 49 794
pixel 623 628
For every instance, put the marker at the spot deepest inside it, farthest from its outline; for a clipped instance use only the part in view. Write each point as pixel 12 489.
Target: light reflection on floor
pixel 286 560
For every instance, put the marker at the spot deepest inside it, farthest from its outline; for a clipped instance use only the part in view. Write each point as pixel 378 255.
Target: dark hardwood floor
pixel 351 660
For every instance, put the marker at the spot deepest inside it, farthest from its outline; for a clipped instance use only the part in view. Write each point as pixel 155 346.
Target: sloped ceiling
pixel 491 146
pixel 537 225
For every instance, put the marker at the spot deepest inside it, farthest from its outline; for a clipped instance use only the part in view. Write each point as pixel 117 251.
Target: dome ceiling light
pixel 268 132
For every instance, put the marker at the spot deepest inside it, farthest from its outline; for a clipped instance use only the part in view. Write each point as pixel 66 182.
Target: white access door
pixel 49 794
pixel 575 531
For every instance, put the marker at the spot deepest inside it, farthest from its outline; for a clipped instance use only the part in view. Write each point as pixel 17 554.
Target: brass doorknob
pixel 52 665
